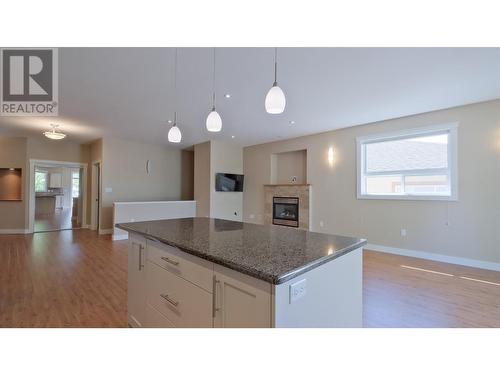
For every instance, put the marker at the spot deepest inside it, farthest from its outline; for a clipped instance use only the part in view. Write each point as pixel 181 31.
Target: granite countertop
pixel 48 195
pixel 268 252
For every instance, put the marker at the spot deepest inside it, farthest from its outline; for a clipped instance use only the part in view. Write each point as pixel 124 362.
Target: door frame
pixel 31 189
pixel 95 191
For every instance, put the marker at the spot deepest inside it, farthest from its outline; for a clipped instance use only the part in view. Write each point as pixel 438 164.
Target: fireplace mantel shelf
pixel 287 184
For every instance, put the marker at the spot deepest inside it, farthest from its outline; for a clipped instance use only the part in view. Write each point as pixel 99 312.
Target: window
pixel 412 164
pixel 41 181
pixel 75 184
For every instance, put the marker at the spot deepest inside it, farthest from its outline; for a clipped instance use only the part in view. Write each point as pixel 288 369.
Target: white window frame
pixel 451 171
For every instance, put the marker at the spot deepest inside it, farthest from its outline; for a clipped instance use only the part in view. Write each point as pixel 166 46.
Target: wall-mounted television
pixel 228 182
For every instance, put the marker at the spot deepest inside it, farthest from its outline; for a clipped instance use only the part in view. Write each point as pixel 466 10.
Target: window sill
pixel 409 197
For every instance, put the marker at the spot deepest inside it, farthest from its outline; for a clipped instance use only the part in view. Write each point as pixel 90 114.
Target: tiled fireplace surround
pixel 301 191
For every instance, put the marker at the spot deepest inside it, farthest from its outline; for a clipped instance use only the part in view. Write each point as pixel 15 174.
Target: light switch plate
pixel 298 290
pixel 108 190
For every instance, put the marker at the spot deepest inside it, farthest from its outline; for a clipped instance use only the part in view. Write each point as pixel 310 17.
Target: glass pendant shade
pixel 275 100
pixel 174 134
pixel 214 121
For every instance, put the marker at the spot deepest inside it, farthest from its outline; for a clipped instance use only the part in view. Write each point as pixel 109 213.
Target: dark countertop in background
pixel 268 252
pixel 48 195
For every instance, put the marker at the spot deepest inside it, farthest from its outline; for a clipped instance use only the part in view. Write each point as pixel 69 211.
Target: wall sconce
pixel 330 156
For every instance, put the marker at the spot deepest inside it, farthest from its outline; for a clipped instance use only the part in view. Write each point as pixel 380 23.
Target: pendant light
pixel 275 98
pixel 214 121
pixel 174 134
pixel 54 133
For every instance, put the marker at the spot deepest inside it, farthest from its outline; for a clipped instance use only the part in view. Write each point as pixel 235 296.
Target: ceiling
pixel 129 93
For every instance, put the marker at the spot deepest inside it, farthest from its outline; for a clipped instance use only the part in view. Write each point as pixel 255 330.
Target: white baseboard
pixel 118 237
pixel 436 257
pixel 106 231
pixel 14 231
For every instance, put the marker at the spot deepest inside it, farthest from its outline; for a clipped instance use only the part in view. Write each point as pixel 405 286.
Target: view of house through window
pixel 406 165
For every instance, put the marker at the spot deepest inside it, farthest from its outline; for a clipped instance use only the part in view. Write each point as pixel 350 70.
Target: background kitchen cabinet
pixel 55 180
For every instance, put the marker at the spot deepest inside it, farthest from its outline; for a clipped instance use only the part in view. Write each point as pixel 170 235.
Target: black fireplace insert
pixel 286 211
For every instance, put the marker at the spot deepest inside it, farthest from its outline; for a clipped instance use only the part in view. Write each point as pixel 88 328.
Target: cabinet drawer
pixel 187 266
pixel 182 302
pixel 156 320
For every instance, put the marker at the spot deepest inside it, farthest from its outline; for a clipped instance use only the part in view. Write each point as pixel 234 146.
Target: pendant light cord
pixel 175 87
pixel 213 85
pixel 275 66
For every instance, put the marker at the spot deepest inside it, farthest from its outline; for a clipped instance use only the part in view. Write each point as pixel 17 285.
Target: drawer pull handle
pixel 214 297
pixel 169 300
pixel 168 260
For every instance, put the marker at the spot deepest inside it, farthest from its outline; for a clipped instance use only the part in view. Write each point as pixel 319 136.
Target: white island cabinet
pixel 171 288
pixel 136 284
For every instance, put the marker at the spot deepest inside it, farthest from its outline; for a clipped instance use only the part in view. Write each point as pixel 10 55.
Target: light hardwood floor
pixel 63 279
pixel 408 292
pixel 59 219
pixel 79 279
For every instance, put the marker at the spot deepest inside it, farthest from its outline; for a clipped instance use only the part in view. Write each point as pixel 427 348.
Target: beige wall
pixel 202 179
pixel 124 171
pixel 65 150
pixel 225 158
pixel 466 228
pixel 14 215
pixel 211 158
pixel 286 165
pixel 13 155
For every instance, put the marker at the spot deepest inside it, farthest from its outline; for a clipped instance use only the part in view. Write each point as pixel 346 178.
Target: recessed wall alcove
pixel 10 184
pixel 289 167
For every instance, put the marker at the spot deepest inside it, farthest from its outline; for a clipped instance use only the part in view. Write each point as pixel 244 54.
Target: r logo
pixel 29 82
pixel 27 75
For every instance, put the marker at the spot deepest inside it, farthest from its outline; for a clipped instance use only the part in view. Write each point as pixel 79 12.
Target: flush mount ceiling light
pixel 275 98
pixel 54 133
pixel 174 134
pixel 214 121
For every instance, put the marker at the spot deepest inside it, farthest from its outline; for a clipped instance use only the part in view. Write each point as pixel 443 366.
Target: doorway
pixel 57 196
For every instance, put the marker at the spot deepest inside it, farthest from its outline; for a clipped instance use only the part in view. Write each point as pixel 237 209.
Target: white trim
pixel 105 231
pixel 435 257
pixel 14 231
pixel 31 188
pixel 118 237
pixel 149 202
pixel 94 194
pixel 451 128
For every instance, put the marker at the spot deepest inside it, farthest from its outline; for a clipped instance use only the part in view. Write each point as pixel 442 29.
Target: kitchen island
pixel 203 272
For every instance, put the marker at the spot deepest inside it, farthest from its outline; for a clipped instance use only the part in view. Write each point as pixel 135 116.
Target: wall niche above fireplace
pixel 289 167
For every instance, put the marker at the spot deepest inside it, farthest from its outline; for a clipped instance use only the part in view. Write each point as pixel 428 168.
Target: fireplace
pixel 286 211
